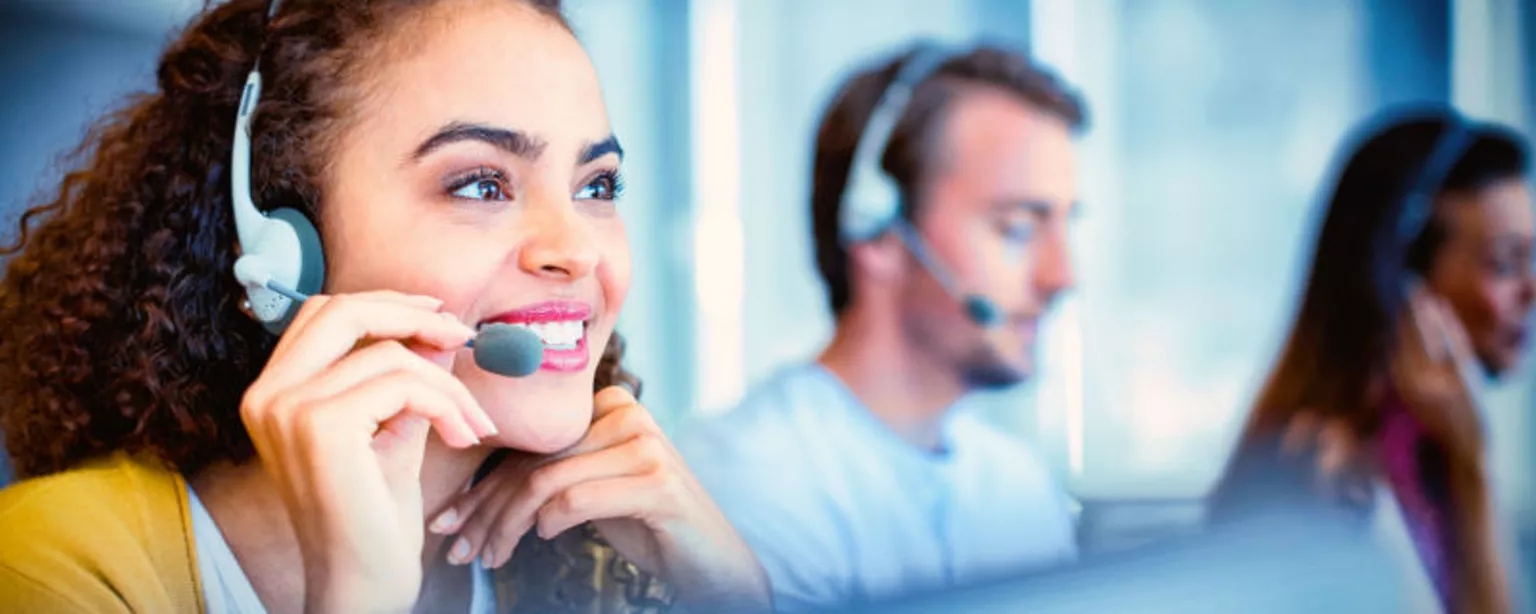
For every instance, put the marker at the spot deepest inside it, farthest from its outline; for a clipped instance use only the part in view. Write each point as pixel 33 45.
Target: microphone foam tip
pixel 508 350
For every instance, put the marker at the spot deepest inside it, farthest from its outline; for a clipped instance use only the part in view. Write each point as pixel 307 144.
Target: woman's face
pixel 478 167
pixel 1484 269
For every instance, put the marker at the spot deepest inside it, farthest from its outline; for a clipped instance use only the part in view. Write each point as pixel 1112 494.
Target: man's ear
pixel 883 259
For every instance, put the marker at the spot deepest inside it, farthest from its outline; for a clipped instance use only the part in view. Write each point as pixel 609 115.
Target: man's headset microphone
pixel 872 201
pixel 282 262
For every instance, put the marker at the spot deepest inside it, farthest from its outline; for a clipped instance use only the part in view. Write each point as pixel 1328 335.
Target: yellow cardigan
pixel 111 536
pixel 115 535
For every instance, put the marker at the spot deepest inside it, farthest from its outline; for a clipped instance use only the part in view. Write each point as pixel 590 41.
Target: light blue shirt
pixel 840 510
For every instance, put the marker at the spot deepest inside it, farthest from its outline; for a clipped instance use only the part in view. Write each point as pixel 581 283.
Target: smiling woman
pixel 249 472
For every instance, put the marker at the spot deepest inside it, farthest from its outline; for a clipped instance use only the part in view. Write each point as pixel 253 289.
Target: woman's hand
pixel 1341 462
pixel 339 418
pixel 627 479
pixel 1433 369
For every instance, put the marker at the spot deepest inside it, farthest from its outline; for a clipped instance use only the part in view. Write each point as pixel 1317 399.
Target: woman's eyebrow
pixel 517 143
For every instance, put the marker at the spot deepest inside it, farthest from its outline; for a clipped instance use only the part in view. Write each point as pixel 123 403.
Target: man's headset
pixel 872 201
pixel 281 260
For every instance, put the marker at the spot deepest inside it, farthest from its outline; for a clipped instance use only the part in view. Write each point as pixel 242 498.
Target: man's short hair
pixel 916 137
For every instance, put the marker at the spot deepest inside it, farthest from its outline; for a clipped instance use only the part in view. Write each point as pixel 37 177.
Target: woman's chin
pixel 544 428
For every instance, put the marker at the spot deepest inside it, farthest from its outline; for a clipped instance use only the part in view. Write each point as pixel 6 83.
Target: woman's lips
pixel 561 325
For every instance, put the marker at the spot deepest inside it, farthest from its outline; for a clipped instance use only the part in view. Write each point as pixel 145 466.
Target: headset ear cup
pixel 311 262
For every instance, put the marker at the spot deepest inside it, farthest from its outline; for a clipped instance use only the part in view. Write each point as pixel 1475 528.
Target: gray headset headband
pixel 871 199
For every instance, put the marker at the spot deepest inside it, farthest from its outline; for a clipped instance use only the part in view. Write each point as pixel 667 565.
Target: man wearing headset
pixel 943 183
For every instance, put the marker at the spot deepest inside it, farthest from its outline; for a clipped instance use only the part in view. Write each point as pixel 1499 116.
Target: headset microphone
pixel 281 246
pixel 871 203
pixel 282 264
pixel 980 310
pixel 508 350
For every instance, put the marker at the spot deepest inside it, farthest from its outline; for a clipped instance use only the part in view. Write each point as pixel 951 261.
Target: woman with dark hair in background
pixel 1371 410
pixel 457 160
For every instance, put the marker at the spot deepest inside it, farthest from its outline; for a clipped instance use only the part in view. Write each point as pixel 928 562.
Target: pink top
pixel 1427 520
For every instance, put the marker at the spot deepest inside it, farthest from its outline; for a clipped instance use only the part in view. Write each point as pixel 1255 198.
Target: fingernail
pixel 460 553
pixel 485 560
pixel 444 521
pixel 453 319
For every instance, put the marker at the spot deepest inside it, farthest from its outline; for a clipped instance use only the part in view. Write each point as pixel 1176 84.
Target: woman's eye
pixel 606 186
pixel 481 184
pixel 485 189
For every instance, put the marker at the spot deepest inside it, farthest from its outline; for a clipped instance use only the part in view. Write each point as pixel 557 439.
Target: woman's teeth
pixel 556 335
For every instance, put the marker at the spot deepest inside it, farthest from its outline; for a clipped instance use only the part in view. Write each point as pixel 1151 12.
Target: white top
pixel 839 509
pixel 225 587
pixel 227 590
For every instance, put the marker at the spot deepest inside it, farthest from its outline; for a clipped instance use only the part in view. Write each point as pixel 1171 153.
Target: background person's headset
pixel 1419 192
pixel 281 261
pixel 872 202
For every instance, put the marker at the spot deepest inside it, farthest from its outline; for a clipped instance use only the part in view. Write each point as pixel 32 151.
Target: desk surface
pixel 1275 566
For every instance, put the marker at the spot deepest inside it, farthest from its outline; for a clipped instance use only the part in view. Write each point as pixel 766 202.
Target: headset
pixel 872 201
pixel 281 261
pixel 1419 192
pixel 1418 198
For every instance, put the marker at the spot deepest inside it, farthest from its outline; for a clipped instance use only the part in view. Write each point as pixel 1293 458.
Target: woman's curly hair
pixel 122 319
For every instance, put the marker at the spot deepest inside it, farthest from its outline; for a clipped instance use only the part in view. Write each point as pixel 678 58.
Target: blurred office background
pixel 1212 124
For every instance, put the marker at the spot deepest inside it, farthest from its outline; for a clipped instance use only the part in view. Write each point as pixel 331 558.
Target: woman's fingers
pixel 366 407
pixel 310 307
pixel 611 399
pixel 645 496
pixel 314 444
pixel 482 517
pixel 385 357
pixel 1453 337
pixel 616 418
pixel 1438 332
pixel 623 439
pixel 1300 433
pixel 1328 443
pixel 338 324
pixel 465 505
pixel 641 456
pixel 1336 454
pixel 494 524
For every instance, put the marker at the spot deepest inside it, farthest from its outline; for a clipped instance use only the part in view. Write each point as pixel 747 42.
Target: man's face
pixel 994 210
